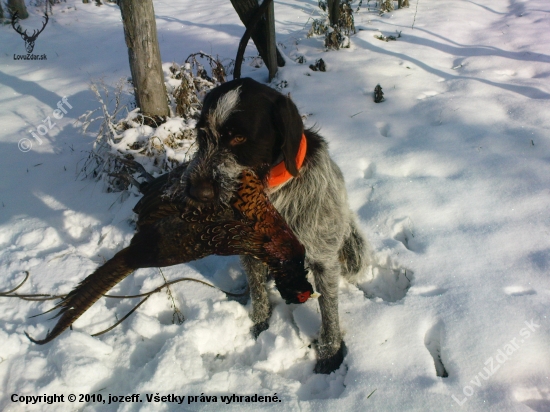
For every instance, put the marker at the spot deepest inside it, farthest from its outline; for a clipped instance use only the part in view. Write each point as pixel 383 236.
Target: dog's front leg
pixel 330 346
pixel 256 273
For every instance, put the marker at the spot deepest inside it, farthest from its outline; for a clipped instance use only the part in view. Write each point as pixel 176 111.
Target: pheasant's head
pixel 291 281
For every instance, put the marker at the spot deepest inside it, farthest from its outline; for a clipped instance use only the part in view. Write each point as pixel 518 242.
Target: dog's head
pixel 243 123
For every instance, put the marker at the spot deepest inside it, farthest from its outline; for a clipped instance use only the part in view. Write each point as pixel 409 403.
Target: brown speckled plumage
pixel 171 231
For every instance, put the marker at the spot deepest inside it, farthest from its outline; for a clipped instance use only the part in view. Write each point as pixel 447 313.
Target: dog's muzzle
pixel 202 191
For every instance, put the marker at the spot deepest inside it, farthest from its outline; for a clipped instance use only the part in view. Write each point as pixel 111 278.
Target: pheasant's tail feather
pixel 87 293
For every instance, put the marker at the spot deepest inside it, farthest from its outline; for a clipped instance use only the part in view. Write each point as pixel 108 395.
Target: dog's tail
pixel 354 254
pixel 87 293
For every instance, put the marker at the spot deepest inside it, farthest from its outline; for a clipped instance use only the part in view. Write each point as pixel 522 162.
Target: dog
pixel 244 123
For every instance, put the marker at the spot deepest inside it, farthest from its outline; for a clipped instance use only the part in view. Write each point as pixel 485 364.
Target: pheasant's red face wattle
pixel 302 297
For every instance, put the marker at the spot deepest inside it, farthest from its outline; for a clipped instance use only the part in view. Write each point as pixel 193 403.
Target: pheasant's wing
pixel 173 240
pixel 157 201
pixel 160 184
pixel 156 210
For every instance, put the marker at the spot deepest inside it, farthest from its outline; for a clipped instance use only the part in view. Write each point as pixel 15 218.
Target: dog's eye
pixel 237 140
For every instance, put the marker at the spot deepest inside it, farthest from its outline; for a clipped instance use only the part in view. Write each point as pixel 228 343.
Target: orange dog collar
pixel 278 173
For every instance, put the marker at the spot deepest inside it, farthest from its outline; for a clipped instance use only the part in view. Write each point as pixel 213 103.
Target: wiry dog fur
pixel 245 123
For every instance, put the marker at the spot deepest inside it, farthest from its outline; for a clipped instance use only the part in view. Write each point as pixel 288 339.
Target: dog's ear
pixel 288 124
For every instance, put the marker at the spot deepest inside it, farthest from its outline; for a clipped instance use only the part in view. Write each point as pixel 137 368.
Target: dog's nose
pixel 202 191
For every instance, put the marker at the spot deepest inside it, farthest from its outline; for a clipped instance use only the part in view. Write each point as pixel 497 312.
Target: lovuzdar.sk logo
pixel 29 39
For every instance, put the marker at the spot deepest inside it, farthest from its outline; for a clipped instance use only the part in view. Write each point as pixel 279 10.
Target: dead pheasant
pixel 172 231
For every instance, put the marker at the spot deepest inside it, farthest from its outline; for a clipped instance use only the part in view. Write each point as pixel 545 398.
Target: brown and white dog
pixel 247 124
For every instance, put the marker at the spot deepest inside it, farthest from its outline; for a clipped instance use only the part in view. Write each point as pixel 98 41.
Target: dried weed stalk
pixel 100 159
pixel 177 316
pixel 337 36
pixel 386 6
pixel 196 82
pixel 158 144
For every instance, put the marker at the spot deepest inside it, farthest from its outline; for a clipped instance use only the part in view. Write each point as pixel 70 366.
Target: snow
pixel 449 177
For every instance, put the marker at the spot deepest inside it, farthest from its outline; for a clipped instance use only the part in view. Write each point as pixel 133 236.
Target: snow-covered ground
pixel 449 176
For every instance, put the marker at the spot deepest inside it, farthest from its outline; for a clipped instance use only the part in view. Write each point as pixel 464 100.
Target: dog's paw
pixel 259 328
pixel 330 364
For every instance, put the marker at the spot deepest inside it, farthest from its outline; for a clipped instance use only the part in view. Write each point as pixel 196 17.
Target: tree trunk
pixel 1 11
pixel 19 7
pixel 245 9
pixel 333 11
pixel 140 31
pixel 271 43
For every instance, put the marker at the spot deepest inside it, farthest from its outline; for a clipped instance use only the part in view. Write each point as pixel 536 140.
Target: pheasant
pixel 172 230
